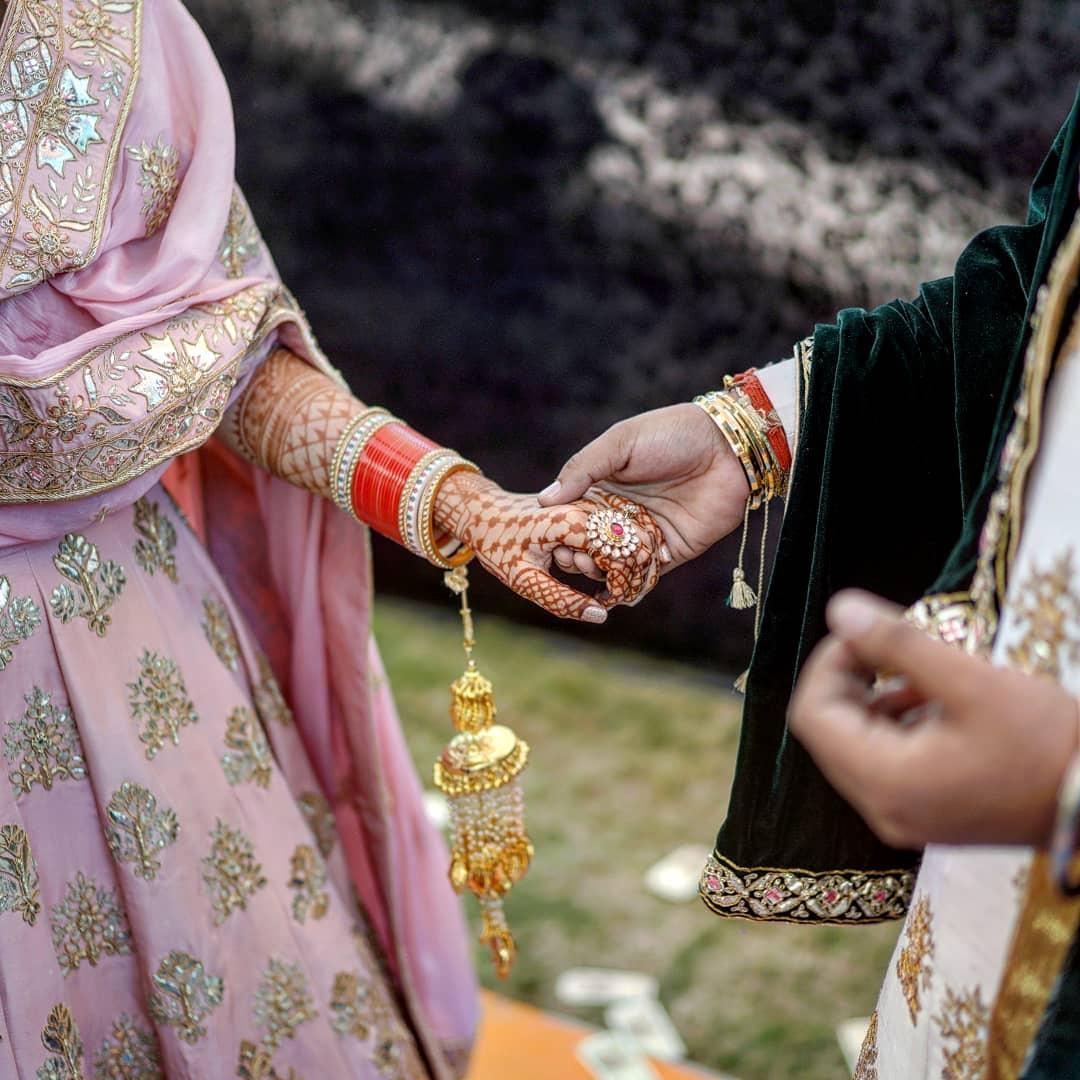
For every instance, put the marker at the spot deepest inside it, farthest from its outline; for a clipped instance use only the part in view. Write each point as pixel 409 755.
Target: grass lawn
pixel 631 758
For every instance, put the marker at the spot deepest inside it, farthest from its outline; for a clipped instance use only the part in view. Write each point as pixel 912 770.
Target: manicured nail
pixel 665 554
pixel 594 615
pixel 850 614
pixel 550 491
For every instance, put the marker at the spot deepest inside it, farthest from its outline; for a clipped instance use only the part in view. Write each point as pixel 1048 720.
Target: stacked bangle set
pixel 387 475
pixel 746 418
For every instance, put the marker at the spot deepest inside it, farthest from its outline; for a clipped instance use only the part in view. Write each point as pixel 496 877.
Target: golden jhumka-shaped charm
pixel 478 772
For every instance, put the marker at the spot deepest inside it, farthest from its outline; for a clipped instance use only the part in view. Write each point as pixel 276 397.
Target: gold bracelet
pixel 410 513
pixel 350 446
pixel 427 516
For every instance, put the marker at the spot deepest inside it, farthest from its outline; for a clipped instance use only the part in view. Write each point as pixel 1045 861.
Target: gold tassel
pixel 478 772
pixel 742 597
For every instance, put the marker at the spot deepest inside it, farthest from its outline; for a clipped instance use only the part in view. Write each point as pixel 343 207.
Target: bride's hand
pixel 514 538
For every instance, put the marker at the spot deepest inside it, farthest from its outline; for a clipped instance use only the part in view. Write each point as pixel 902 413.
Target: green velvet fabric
pixel 907 410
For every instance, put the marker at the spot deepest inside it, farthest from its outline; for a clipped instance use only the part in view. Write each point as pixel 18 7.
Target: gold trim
pixel 772 894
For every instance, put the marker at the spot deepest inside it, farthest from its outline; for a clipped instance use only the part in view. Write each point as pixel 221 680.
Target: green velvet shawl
pixel 904 417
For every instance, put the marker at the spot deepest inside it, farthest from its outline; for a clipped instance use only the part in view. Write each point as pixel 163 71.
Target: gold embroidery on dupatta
pixel 184 995
pixel 138 828
pixel 98 584
pixel 19 885
pixel 1047 607
pixel 258 1064
pixel 913 966
pixel 219 632
pixel 359 1008
pixel 230 872
pixel 269 700
pixel 88 924
pixel 241 242
pixel 840 896
pixel 61 1038
pixel 154 549
pixel 56 110
pixel 129 1053
pixel 307 879
pixel 158 180
pixel 19 618
pixel 43 745
pixel 866 1066
pixel 248 757
pixel 963 1023
pixel 283 1002
pixel 320 820
pixel 159 699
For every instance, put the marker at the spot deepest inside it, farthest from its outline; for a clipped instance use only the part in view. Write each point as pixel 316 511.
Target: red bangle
pixel 381 473
pixel 750 385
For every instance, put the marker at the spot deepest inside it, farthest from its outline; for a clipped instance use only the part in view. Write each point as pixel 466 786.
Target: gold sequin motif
pixel 282 1003
pixel 62 1041
pixel 359 1008
pixel 230 872
pixel 269 700
pixel 320 819
pixel 913 966
pixel 241 241
pixel 963 1022
pixel 19 885
pixel 129 1053
pixel 258 1064
pixel 138 828
pixel 159 702
pixel 1048 609
pixel 158 181
pixel 248 757
pixel 42 745
pixel 219 632
pixel 184 995
pixel 154 549
pixel 19 618
pixel 307 879
pixel 97 584
pixel 87 925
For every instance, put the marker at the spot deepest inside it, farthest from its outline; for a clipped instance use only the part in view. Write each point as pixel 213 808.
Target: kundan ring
pixel 612 532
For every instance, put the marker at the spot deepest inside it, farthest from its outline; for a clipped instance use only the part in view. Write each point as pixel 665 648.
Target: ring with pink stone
pixel 612 533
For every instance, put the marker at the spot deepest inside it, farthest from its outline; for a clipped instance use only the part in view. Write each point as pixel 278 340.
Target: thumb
pixel 601 460
pixel 882 640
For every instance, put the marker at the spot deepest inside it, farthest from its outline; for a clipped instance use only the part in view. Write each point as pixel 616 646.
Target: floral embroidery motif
pixel 320 819
pixel 88 924
pixel 358 1008
pixel 45 740
pixel 282 1003
pixel 19 886
pixel 248 757
pixel 913 966
pixel 158 180
pixel 219 632
pixel 19 618
pixel 92 26
pixel 129 1053
pixel 184 995
pixel 230 872
pixel 159 699
pixel 350 1005
pixel 269 700
pixel 66 126
pixel 307 879
pixel 157 539
pixel 1049 610
pixel 99 584
pixel 241 241
pixel 802 896
pixel 866 1066
pixel 258 1064
pixel 138 829
pixel 963 1021
pixel 61 1038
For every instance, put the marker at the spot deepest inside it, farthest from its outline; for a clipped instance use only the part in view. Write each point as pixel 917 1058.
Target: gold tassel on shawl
pixel 478 772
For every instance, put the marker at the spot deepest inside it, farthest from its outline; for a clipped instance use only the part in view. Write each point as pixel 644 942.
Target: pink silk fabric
pixel 124 334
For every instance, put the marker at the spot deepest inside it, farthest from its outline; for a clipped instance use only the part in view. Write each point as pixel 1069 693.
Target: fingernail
pixel 594 615
pixel 850 615
pixel 550 491
pixel 665 553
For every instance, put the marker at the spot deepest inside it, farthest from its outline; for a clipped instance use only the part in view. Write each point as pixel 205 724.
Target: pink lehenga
pixel 213 855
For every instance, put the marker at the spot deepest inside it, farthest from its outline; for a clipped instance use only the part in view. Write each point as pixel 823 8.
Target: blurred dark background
pixel 515 222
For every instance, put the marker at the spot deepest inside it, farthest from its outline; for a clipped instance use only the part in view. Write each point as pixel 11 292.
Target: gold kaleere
pixel 478 772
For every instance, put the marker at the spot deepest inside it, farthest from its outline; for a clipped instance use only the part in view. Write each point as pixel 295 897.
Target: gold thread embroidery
pixel 230 872
pixel 258 1064
pixel 99 584
pixel 159 699
pixel 952 618
pixel 359 1008
pixel 129 1053
pixel 349 1005
pixel 18 874
pixel 320 820
pixel 184 995
pixel 87 925
pixel 19 618
pixel 866 1066
pixel 269 700
pixel 913 966
pixel 307 879
pixel 1048 609
pixel 963 1022
pixel 138 828
pixel 61 1038
pixel 157 539
pixel 158 180
pixel 219 632
pixel 45 740
pixel 283 1002
pixel 248 757
pixel 241 242
pixel 840 896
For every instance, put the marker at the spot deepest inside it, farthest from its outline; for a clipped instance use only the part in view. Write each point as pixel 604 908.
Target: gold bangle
pixel 410 512
pixel 427 516
pixel 350 445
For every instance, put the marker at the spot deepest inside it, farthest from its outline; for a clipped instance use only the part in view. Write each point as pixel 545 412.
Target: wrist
pixel 452 512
